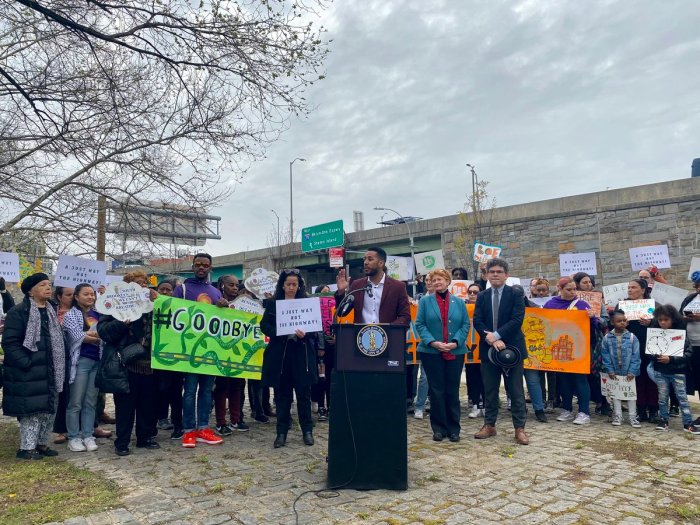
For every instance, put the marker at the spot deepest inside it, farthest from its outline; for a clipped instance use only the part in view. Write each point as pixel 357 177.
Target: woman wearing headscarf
pixel 34 366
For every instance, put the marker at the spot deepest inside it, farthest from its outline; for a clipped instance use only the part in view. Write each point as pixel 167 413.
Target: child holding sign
pixel 620 353
pixel 669 371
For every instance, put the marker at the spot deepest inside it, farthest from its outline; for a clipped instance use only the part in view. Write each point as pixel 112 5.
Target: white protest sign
pixel 124 301
pixel 614 293
pixel 540 301
pixel 571 263
pixel 644 256
pixel 73 271
pixel 9 267
pixel 639 309
pixel 302 314
pixel 667 294
pixel 484 252
pixel 693 306
pixel 665 342
pixel 109 279
pixel 428 261
pixel 510 281
pixel 399 268
pixel 248 304
pixel 618 388
pixel 261 282
pixel 694 267
pixel 459 288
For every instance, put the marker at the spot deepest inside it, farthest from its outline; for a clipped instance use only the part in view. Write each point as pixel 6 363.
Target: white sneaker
pixel 90 444
pixel 565 416
pixel 582 419
pixel 418 413
pixel 617 420
pixel 474 412
pixel 76 445
pixel 634 421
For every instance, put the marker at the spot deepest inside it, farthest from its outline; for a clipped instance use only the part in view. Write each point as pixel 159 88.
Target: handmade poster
pixel 327 311
pixel 540 301
pixel 109 279
pixel 72 271
pixel 335 257
pixel 667 294
pixel 595 299
pixel 665 342
pixel 618 388
pixel 510 281
pixel 644 256
pixel 9 267
pixel 204 339
pixel 428 261
pixel 472 355
pixel 262 282
pixel 459 287
pixel 245 303
pixel 298 314
pixel 124 301
pixel 614 293
pixel 557 340
pixel 571 263
pixel 694 267
pixel 693 306
pixel 484 252
pixel 412 338
pixel 399 268
pixel 639 309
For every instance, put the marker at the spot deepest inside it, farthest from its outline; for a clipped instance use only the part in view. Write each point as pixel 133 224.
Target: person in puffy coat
pixel 34 366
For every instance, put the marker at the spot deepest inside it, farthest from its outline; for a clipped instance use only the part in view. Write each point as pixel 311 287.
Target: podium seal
pixel 372 340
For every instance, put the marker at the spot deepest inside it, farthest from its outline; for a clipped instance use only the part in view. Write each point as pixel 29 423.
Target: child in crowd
pixel 669 371
pixel 620 353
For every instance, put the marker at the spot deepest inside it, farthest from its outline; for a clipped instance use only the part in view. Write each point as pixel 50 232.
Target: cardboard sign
pixel 9 267
pixel 459 288
pixel 204 339
pixel 428 261
pixel 639 309
pixel 124 301
pixel 301 314
pixel 693 306
pixel 665 342
pixel 644 256
pixel 667 294
pixel 261 282
pixel 595 299
pixel 614 293
pixel 571 263
pixel 399 268
pixel 484 252
pixel 73 271
pixel 618 388
pixel 335 257
pixel 694 267
pixel 245 303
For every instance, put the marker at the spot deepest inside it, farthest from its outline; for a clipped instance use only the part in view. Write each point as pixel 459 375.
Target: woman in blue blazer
pixel 443 324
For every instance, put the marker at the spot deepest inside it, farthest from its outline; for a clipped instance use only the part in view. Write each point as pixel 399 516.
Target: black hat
pixel 31 281
pixel 506 358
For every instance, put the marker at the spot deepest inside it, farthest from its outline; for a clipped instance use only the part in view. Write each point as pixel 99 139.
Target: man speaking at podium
pixel 376 298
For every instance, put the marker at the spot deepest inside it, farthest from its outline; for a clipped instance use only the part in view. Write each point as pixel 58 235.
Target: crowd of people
pixel 61 358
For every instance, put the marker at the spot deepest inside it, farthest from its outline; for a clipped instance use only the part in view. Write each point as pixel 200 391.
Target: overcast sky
pixel 545 98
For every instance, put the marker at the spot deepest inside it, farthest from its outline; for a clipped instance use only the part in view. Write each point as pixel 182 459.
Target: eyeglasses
pixel 291 271
pixel 473 292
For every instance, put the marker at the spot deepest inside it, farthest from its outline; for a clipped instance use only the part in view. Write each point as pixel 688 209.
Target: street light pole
pixel 291 201
pixel 278 230
pixel 410 239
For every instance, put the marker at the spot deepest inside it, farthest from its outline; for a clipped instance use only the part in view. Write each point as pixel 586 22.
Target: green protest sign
pixel 204 339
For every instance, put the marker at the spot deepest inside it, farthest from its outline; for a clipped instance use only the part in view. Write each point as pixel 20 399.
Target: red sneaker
pixel 206 435
pixel 189 439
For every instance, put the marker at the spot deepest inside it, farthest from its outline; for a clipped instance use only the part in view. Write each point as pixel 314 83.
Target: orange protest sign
pixel 412 338
pixel 595 299
pixel 557 340
pixel 472 355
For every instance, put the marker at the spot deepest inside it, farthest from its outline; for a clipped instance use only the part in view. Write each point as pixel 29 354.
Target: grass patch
pixel 49 489
pixel 204 459
pixel 579 446
pixel 433 478
pixel 688 511
pixel 219 487
pixel 363 515
pixel 629 449
pixel 242 487
pixel 689 480
pixel 508 452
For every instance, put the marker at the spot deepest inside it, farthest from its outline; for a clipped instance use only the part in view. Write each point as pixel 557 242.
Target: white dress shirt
pixel 370 308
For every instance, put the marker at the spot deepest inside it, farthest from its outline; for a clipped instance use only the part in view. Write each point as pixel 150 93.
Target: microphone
pixel 346 306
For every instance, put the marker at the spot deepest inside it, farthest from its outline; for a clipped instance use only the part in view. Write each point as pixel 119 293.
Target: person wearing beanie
pixel 34 366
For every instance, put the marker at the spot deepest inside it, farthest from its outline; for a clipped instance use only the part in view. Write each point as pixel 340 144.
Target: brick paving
pixel 595 474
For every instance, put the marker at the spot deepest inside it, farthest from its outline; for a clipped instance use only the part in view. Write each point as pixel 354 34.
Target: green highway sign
pixel 322 236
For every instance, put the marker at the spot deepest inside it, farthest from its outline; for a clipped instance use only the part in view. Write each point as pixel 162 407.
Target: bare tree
pixel 281 248
pixel 146 100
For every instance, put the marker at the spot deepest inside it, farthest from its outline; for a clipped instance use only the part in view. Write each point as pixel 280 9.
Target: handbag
pixel 132 352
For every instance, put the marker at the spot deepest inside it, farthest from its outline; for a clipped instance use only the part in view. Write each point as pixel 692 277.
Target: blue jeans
pixel 422 392
pixel 202 401
pixel 82 398
pixel 663 383
pixel 534 387
pixel 568 384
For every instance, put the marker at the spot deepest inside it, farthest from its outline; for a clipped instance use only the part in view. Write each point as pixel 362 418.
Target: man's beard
pixel 371 272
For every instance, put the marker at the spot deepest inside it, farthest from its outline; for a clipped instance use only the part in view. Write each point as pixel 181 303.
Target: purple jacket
pixel 557 303
pixel 199 291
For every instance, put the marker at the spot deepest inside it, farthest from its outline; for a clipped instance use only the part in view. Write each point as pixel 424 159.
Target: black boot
pixel 642 412
pixel 280 440
pixel 308 438
pixel 653 415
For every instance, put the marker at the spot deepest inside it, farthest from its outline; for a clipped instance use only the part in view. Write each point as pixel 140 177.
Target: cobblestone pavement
pixel 567 475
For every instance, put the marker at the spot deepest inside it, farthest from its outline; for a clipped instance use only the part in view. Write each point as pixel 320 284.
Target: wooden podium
pixel 367 440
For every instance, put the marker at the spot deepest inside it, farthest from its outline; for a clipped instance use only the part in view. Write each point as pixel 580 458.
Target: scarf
pixel 33 334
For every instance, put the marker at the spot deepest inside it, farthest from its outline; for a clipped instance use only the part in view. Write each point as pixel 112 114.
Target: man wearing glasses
pixel 196 407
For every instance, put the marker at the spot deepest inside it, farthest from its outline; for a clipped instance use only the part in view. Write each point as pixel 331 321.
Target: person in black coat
pixel 34 366
pixel 289 362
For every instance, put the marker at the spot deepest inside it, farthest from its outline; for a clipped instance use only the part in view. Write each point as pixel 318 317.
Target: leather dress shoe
pixel 521 436
pixel 308 438
pixel 486 431
pixel 437 436
pixel 107 419
pixel 101 433
pixel 122 451
pixel 280 440
pixel 148 444
pixel 541 416
pixel 454 438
